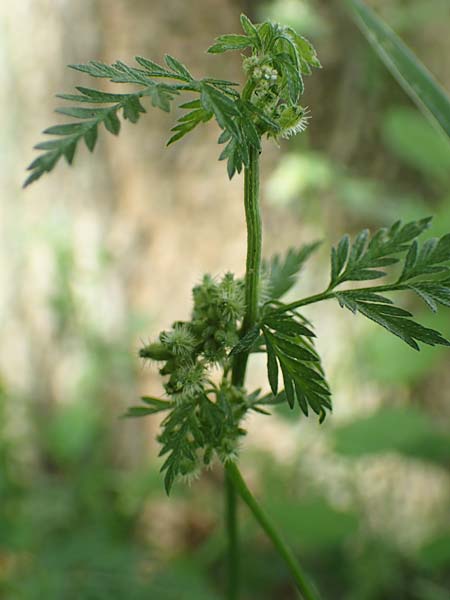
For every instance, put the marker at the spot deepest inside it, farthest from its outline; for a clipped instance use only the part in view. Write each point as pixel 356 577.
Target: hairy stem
pixel 252 275
pixel 253 265
pixel 303 584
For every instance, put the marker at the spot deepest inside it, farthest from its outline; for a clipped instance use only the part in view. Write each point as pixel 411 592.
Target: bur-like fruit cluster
pixel 205 415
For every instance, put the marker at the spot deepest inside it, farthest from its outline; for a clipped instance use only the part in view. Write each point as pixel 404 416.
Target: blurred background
pixel 95 258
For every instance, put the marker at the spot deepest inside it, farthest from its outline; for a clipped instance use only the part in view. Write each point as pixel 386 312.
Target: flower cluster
pixel 274 79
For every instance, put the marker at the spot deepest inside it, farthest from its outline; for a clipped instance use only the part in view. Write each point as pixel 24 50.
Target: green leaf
pixel 303 376
pixel 66 129
pixel 339 257
pixel 392 318
pixel 282 272
pixel 112 123
pixel 189 121
pixel 90 137
pixel 295 347
pixel 89 118
pixel 287 324
pixel 160 96
pixel 433 293
pixel 427 260
pixel 94 69
pixel 80 113
pixel 154 405
pixel 221 105
pixel 132 109
pixel 251 135
pixel 306 52
pixel 153 68
pixel 191 104
pixel 69 151
pixel 272 366
pixel 93 96
pixel 177 443
pixel 293 80
pixel 224 43
pixel 289 389
pixel 410 73
pixel 361 260
pixel 250 29
pixel 245 343
pixel 178 67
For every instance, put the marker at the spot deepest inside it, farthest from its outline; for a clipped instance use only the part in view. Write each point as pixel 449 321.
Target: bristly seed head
pixel 180 341
pixel 294 122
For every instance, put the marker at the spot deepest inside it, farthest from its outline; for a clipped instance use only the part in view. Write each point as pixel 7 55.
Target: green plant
pixel 232 317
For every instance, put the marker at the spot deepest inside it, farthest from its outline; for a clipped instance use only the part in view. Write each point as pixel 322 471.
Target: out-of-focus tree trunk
pixel 162 217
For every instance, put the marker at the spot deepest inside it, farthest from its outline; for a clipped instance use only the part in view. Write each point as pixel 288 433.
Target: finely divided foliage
pixel 203 415
pixel 268 104
pixel 425 271
pixel 289 346
pixel 283 272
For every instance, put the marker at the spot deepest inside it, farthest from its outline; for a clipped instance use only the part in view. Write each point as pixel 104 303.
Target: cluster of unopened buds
pixel 266 73
pixel 266 95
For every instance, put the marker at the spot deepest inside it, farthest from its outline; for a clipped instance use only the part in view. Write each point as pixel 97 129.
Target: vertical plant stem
pixel 304 586
pixel 232 533
pixel 253 264
pixel 233 479
pixel 252 275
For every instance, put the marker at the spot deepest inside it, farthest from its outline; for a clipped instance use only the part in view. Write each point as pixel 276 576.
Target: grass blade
pixel 407 69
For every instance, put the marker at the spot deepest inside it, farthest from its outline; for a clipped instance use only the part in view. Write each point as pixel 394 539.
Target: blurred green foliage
pixel 405 430
pixel 415 142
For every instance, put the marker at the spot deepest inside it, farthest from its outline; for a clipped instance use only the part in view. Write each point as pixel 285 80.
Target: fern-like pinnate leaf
pixel 289 346
pixel 152 406
pixel 424 271
pixel 430 259
pixel 433 292
pixel 196 429
pixel 268 104
pixel 104 109
pixel 396 320
pixel 363 259
pixel 217 98
pixel 282 272
pixel 180 438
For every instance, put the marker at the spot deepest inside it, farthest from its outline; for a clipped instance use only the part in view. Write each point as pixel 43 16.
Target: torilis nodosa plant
pixel 233 316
